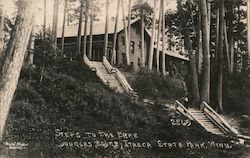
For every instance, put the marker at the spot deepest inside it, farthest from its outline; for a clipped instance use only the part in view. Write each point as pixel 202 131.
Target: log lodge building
pixel 175 62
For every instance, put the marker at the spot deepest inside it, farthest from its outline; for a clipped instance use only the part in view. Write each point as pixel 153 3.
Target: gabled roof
pixel 98 29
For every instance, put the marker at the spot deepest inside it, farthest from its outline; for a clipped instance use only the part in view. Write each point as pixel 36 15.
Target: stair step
pixel 206 121
pixel 214 130
pixel 198 113
pixel 200 116
pixel 111 78
pixel 210 126
pixel 202 119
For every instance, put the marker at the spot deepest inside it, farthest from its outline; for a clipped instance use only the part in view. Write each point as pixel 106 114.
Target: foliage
pixel 45 49
pixel 73 11
pixel 147 10
pixel 150 84
pixel 236 93
pixel 72 98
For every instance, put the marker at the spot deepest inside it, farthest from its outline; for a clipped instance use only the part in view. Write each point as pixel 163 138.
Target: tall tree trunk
pixel 79 34
pixel 55 23
pixel 1 27
pixel 226 45
pixel 158 40
pixel 220 57
pixel 91 30
pixel 163 39
pixel 209 20
pixel 31 44
pixel 142 37
pixel 11 63
pixel 231 39
pixel 199 55
pixel 106 29
pixel 195 85
pixel 152 40
pixel 45 17
pixel 64 23
pixel 248 28
pixel 55 18
pixel 85 28
pixel 205 92
pixel 126 34
pixel 217 38
pixel 115 33
pixel 129 22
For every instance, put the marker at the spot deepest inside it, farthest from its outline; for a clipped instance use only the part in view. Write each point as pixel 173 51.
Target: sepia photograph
pixel 124 78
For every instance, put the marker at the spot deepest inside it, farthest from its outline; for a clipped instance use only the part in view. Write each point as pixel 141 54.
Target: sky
pixel 9 8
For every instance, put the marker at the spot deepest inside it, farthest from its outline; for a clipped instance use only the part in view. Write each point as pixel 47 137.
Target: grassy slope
pixel 72 98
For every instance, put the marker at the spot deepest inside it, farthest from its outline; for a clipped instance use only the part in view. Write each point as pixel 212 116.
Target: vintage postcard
pixel 124 79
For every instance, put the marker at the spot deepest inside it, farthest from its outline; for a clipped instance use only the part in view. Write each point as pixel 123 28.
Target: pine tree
pixel 158 40
pixel 205 92
pixel 163 40
pixel 152 40
pixel 64 23
pixel 12 61
pixel 115 33
pixel 79 34
pixel 106 29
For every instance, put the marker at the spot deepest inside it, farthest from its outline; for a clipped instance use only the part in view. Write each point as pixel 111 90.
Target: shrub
pixel 152 85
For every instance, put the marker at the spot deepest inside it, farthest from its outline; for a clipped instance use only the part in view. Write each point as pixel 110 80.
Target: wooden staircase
pixel 110 76
pixel 205 121
pixel 211 121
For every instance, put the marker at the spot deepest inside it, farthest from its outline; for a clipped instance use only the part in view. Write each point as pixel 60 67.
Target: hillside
pixel 70 98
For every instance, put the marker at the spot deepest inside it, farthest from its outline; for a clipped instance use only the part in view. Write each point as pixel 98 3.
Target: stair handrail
pixel 185 110
pixel 119 76
pixel 87 62
pixel 124 82
pixel 98 73
pixel 108 65
pixel 220 120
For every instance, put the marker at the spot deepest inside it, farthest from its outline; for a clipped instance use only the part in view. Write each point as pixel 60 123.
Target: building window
pixel 139 62
pixel 132 47
pixel 124 59
pixel 139 45
pixel 123 40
